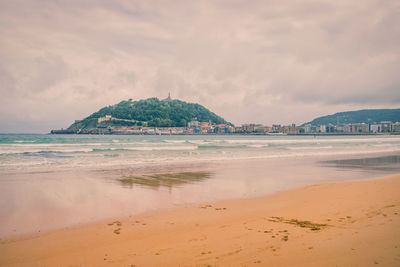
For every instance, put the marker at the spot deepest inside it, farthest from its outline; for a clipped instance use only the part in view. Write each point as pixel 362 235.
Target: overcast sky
pixel 248 61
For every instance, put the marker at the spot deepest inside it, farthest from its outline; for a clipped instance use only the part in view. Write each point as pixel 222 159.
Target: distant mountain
pixel 359 116
pixel 148 112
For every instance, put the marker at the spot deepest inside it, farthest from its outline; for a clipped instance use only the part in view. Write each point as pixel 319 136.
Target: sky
pixel 268 62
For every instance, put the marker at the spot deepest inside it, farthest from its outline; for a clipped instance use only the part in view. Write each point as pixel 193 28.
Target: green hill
pixel 359 116
pixel 149 112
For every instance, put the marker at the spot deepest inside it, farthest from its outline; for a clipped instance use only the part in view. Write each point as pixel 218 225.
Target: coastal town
pixel 169 116
pixel 196 127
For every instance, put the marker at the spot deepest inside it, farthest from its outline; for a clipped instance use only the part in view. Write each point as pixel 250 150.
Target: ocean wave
pixel 49 161
pixel 108 149
pixel 93 152
pixel 145 148
pixel 258 146
pixel 309 147
pixel 221 147
pixel 52 144
pixel 201 142
pixel 44 152
pixel 176 141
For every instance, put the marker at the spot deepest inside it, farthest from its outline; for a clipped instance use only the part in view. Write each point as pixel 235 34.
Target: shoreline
pixel 183 165
pixel 338 223
pixel 107 197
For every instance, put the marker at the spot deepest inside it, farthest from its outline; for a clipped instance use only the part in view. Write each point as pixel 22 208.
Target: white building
pixel 193 124
pixel 375 128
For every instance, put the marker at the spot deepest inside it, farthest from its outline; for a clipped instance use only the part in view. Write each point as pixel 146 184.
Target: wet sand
pixel 332 224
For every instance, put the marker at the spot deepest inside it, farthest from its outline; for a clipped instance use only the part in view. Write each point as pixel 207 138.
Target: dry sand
pixel 335 224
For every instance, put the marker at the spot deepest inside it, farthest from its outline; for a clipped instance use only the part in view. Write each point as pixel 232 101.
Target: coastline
pixel 65 132
pixel 341 223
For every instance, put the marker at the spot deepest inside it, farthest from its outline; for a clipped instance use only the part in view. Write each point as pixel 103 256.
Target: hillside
pixel 359 116
pixel 148 112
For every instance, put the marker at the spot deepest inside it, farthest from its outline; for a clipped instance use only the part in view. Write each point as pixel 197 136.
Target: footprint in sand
pixel 139 222
pixel 118 223
pixel 118 230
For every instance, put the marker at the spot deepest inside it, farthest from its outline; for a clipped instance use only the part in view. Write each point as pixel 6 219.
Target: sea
pixel 54 181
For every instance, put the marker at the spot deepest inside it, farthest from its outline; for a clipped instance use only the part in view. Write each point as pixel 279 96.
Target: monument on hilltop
pixel 168 99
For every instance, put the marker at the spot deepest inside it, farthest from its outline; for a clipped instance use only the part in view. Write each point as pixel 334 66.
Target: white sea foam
pixel 52 152
pixel 309 147
pixel 258 146
pixel 158 148
pixel 176 141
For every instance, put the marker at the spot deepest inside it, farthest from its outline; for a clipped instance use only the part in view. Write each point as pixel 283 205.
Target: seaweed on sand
pixel 304 224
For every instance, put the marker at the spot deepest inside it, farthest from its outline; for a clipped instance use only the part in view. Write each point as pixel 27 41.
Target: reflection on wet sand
pixel 384 163
pixel 164 179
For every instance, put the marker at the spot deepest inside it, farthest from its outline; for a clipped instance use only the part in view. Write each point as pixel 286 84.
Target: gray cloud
pixel 249 61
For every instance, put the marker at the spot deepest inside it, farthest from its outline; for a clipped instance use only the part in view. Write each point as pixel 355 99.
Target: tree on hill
pixel 360 116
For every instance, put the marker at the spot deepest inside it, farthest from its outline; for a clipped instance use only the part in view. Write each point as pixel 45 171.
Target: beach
pixel 199 200
pixel 49 182
pixel 352 223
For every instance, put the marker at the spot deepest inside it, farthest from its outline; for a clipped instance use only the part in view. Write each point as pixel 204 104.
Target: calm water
pixel 53 181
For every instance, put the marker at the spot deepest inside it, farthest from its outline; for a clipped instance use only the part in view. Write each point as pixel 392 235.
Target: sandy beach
pixel 352 223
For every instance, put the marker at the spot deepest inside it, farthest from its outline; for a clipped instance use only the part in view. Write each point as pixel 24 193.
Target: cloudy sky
pixel 248 61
